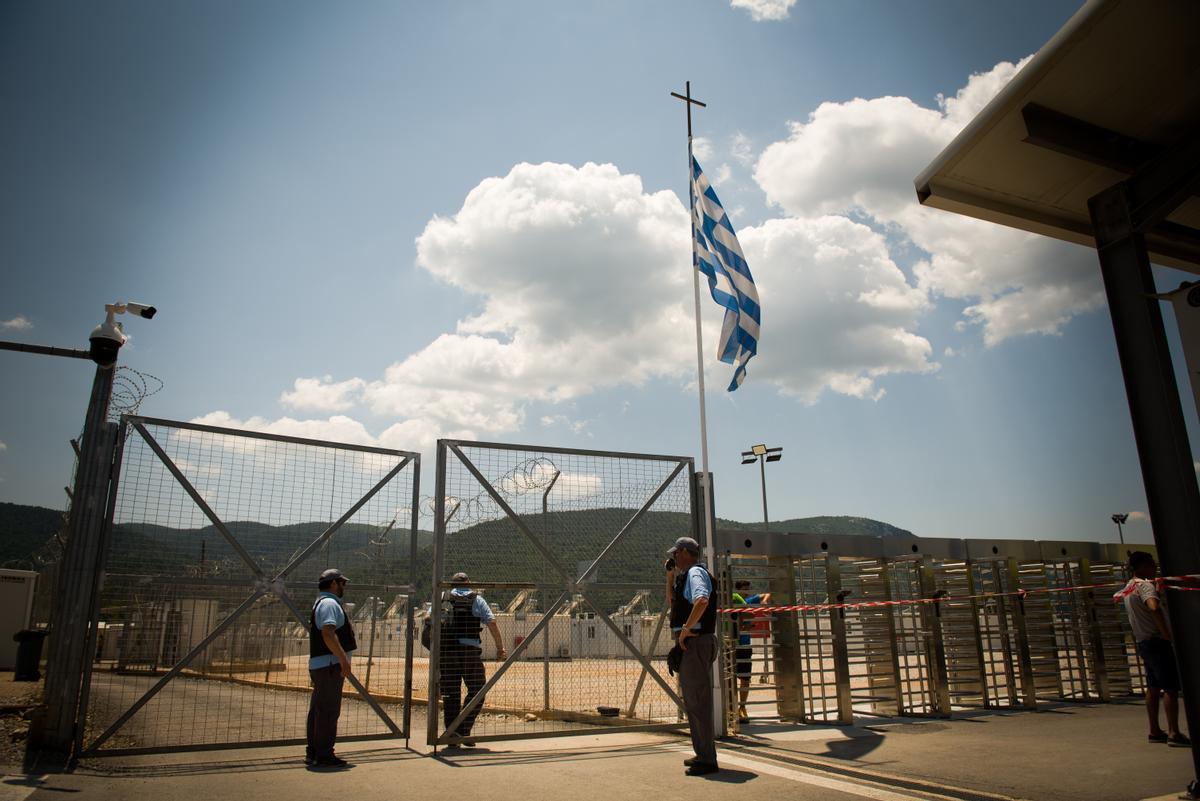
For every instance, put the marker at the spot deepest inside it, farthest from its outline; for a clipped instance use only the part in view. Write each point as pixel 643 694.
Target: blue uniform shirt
pixel 328 612
pixel 697 584
pixel 479 609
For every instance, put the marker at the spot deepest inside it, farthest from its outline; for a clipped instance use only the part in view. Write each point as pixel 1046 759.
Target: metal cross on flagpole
pixel 690 101
pixel 706 492
pixel 706 476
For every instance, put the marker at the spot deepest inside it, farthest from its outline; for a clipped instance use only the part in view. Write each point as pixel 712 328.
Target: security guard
pixel 330 643
pixel 693 620
pixel 462 653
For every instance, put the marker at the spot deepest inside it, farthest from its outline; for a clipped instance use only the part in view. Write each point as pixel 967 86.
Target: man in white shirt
pixel 1149 624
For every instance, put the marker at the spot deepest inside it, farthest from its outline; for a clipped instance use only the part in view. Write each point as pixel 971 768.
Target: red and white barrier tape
pixel 1190 583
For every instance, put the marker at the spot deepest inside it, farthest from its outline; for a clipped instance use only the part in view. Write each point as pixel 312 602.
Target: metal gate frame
pixel 264 584
pixel 572 584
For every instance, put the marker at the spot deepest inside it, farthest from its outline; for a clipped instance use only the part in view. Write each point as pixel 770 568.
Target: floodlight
pixel 759 450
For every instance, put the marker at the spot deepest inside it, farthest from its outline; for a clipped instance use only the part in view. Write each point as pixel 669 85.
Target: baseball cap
pixel 686 544
pixel 329 576
pixel 459 578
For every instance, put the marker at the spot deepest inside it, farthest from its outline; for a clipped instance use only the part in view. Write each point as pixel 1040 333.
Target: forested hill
pixel 492 550
pixel 831 526
pixel 25 529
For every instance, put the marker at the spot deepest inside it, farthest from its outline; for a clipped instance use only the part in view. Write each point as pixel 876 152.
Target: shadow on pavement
pixel 727 776
pixel 158 768
pixel 483 757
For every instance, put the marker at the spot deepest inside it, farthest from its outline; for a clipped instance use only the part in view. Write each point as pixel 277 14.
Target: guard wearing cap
pixel 693 620
pixel 330 643
pixel 465 613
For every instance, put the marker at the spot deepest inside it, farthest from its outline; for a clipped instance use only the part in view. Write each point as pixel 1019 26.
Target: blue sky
pixel 389 222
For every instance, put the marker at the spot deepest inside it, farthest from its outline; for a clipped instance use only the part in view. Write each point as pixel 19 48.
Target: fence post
pixel 841 650
pixel 785 637
pixel 1095 635
pixel 936 652
pixel 1024 657
pixel 78 577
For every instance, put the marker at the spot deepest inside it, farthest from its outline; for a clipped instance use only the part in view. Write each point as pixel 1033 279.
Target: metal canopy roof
pixel 1116 88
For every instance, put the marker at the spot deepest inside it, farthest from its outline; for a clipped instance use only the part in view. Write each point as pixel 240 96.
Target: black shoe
pixel 1179 741
pixel 701 768
pixel 331 762
pixel 687 763
pixel 309 759
pixel 467 742
pixel 1160 737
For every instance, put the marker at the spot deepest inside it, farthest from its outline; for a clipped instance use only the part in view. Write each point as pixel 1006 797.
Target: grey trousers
pixel 695 676
pixel 324 710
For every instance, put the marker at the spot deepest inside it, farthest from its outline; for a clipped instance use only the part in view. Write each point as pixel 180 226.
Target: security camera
pixel 106 340
pixel 141 309
pixel 108 337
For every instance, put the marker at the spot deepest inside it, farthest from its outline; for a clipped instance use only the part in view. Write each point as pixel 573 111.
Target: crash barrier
pixel 863 625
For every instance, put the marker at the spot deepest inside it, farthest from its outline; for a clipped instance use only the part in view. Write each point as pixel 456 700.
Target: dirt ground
pixel 17 701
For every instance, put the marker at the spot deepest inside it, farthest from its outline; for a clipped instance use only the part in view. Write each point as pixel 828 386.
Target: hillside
pixel 825 525
pixel 23 530
pixel 493 550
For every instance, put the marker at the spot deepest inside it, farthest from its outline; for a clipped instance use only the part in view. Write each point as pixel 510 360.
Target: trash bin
pixel 29 654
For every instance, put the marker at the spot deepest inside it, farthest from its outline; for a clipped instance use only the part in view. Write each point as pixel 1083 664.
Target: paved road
pixel 1065 753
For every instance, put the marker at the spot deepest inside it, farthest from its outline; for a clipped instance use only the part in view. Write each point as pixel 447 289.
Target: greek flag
pixel 716 253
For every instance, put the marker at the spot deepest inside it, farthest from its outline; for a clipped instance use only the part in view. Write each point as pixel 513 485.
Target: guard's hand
pixel 669 565
pixel 683 635
pixel 345 668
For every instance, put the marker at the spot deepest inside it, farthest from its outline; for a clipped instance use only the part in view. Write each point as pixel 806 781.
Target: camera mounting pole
pixel 59 726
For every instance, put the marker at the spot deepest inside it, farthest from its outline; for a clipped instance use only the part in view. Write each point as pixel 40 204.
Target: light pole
pixel 762 454
pixel 1119 519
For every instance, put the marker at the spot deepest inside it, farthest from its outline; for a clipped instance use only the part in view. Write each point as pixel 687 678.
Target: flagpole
pixel 709 550
pixel 706 476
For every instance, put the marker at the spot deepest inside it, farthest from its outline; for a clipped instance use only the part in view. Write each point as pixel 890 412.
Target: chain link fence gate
pixel 567 548
pixel 217 538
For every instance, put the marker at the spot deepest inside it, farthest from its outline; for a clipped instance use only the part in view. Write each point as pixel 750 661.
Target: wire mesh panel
pixel 218 538
pixel 566 549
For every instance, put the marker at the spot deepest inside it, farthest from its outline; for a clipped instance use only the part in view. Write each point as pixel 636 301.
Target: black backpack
pixel 450 603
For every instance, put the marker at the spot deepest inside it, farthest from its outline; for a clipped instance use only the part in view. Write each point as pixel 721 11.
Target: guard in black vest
pixel 330 643
pixel 693 620
pixel 465 615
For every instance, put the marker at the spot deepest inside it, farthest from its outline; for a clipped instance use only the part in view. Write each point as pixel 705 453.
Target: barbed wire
pixel 532 475
pixel 130 389
pixel 529 476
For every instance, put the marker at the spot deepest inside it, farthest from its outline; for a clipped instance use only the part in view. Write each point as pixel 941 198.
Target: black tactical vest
pixel 681 609
pixel 316 643
pixel 460 621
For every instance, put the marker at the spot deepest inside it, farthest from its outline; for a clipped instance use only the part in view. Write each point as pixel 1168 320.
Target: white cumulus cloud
pixel 860 156
pixel 842 314
pixel 323 394
pixel 18 323
pixel 763 10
